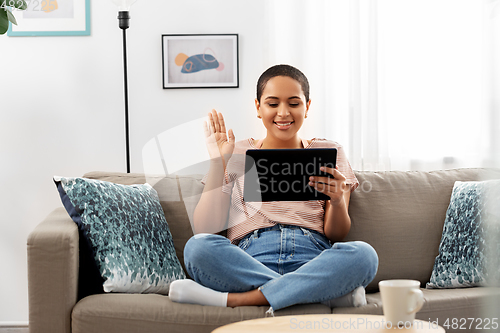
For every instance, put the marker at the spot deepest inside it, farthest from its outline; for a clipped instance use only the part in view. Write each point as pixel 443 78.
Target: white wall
pixel 61 109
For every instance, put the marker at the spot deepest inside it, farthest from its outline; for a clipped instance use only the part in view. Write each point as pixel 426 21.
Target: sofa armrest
pixel 53 273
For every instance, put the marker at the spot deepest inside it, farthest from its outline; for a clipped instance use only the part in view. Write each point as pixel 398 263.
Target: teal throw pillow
pixel 465 254
pixel 126 230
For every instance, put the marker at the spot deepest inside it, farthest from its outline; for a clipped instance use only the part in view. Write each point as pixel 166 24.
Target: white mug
pixel 401 299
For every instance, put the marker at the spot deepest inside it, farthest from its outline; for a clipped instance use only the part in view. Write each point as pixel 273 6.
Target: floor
pixel 14 330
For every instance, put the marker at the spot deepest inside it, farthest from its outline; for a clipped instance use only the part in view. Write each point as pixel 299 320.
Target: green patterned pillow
pixel 127 232
pixel 471 216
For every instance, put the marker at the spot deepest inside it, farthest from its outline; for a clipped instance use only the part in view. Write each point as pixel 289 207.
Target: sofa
pixel 400 213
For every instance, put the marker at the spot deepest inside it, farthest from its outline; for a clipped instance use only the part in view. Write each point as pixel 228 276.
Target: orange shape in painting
pixel 49 5
pixel 179 60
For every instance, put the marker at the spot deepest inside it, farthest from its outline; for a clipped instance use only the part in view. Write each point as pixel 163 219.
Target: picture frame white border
pixel 165 61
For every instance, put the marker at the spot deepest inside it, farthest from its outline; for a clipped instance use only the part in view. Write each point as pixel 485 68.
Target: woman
pixel 275 253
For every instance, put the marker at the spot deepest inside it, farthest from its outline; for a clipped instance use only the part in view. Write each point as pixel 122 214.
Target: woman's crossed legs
pixel 281 267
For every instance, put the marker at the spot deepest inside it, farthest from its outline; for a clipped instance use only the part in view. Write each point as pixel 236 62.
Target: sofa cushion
pixel 156 313
pixel 462 259
pixel 127 231
pixel 401 214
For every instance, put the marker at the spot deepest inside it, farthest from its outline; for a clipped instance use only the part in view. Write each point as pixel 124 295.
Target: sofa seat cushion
pixel 152 313
pixel 439 303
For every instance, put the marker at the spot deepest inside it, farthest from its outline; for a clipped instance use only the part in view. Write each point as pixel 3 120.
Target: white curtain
pixel 491 15
pixel 403 85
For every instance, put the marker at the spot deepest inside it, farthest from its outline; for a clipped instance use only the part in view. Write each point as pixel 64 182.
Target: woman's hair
pixel 283 70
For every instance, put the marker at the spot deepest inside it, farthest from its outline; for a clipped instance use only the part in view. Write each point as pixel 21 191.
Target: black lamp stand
pixel 123 21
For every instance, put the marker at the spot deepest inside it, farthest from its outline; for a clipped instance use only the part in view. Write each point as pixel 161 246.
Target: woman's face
pixel 282 108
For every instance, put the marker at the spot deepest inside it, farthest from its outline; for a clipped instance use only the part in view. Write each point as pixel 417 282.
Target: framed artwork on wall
pixel 53 18
pixel 200 61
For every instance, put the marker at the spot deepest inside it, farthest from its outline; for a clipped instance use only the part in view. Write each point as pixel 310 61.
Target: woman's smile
pixel 283 125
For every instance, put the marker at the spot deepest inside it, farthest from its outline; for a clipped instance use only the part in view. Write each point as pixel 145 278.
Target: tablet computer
pixel 283 174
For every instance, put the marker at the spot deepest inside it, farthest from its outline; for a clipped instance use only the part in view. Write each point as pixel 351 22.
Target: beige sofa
pixel 401 214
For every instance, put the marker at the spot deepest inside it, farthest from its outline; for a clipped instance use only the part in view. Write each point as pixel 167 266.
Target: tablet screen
pixel 283 174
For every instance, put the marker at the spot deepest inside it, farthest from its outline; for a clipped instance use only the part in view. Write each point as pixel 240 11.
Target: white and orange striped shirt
pixel 245 217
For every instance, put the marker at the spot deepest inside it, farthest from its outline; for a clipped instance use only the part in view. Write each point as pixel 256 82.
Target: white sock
pixel 359 297
pixel 355 298
pixel 188 291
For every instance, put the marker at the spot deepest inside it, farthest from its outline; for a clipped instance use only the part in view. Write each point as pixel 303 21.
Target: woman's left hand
pixel 333 187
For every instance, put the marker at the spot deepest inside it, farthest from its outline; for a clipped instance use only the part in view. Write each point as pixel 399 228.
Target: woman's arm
pixel 337 222
pixel 211 212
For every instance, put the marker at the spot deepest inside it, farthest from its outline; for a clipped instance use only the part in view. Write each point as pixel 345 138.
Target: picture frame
pixel 200 61
pixel 52 18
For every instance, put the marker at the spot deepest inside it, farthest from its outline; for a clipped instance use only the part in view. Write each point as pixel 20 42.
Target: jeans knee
pixel 194 247
pixel 368 258
pixel 199 248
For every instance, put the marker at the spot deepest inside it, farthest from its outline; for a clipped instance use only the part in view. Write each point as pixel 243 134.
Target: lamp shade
pixel 123 5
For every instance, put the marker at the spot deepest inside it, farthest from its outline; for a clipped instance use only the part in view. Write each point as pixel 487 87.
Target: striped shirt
pixel 245 217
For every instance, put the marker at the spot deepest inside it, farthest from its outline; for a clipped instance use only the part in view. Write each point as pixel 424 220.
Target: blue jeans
pixel 289 264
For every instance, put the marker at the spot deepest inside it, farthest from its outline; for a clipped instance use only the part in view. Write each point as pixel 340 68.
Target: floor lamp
pixel 123 23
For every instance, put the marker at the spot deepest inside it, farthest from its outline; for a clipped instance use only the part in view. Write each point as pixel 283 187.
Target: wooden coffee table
pixel 325 323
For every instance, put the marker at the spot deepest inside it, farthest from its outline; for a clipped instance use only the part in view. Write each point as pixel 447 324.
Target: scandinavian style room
pixel 242 166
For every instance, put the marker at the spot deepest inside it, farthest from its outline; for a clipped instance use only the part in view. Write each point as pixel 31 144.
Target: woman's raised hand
pixel 219 144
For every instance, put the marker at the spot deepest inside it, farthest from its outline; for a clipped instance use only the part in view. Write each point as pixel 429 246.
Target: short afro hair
pixel 283 70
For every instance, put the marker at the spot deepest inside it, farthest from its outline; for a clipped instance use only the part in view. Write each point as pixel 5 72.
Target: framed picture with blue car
pixel 200 61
